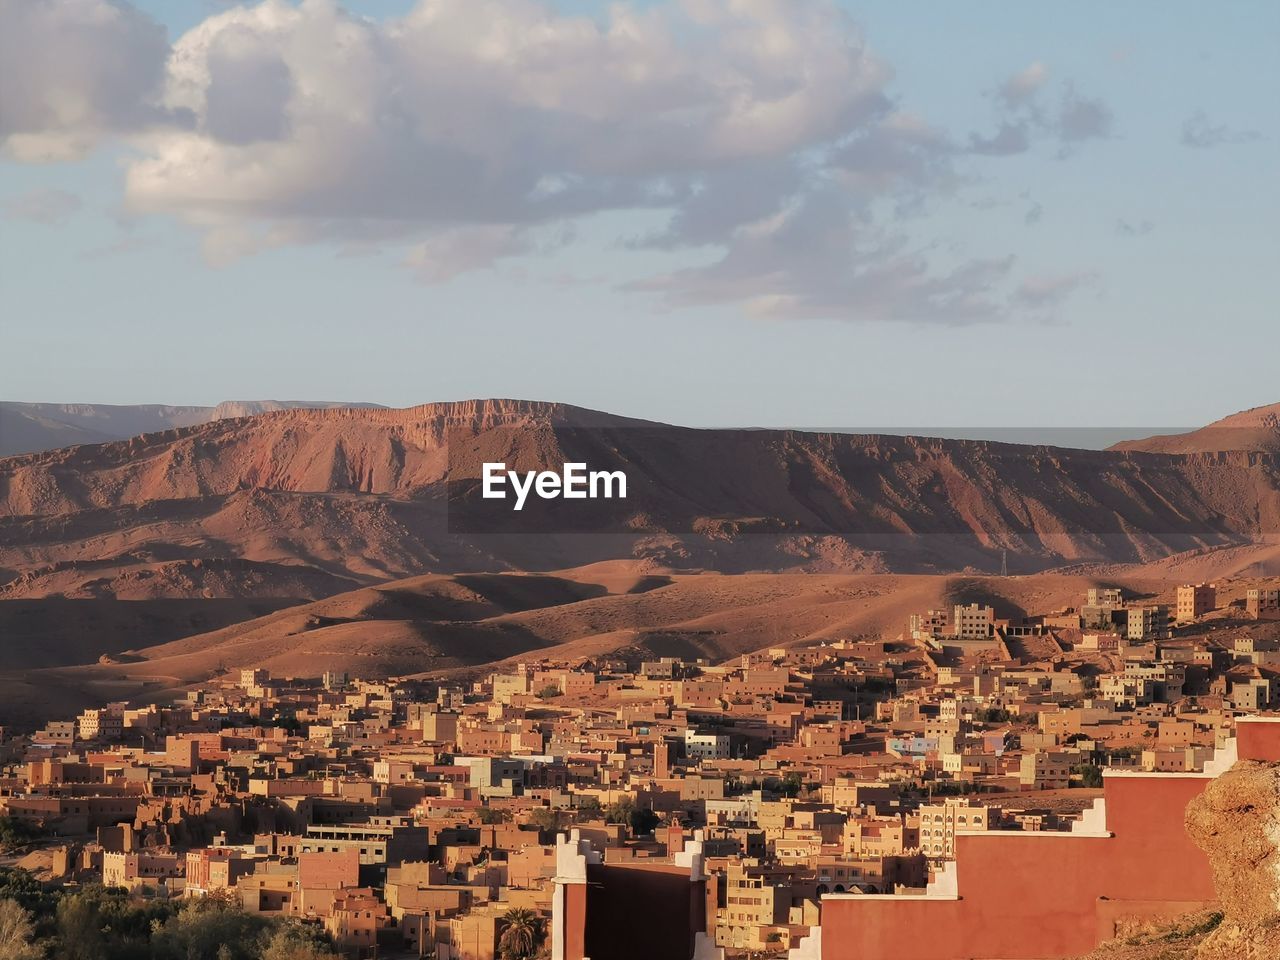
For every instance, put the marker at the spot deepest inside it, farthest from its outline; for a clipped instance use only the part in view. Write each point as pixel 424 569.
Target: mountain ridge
pixel 324 498
pixel 35 427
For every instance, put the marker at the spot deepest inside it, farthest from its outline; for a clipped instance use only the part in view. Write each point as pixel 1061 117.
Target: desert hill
pixel 323 498
pixel 440 623
pixel 1257 429
pixel 33 427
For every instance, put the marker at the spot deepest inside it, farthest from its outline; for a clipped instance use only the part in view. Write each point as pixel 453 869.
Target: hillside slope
pixel 442 623
pixel 1257 429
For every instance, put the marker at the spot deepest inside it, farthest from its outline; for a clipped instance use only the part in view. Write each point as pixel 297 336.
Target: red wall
pixel 1049 895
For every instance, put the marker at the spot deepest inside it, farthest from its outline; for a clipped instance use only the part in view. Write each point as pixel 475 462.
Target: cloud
pixel 1127 229
pixel 492 111
pixel 465 131
pixel 1082 118
pixel 451 253
pixel 73 72
pixel 1051 290
pixel 818 260
pixel 1019 89
pixel 1009 139
pixel 1200 133
pixel 44 205
pixel 1024 114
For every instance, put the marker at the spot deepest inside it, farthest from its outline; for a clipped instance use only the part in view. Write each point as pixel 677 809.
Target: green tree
pixel 205 925
pixel 21 886
pixel 544 818
pixel 620 810
pixel 17 933
pixel 522 935
pixel 15 833
pixel 643 821
pixel 1090 775
pixel 79 928
pixel 549 691
pixel 290 940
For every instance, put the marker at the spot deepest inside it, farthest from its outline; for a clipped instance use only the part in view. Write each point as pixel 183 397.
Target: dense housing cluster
pixel 434 815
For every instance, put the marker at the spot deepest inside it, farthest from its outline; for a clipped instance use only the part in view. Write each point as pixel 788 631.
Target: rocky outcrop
pixel 1236 822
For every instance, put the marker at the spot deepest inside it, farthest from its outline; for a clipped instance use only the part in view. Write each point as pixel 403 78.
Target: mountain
pixel 1257 429
pixel 33 427
pixel 307 502
pixel 29 427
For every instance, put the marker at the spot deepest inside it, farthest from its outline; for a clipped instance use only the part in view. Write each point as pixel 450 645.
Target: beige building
pixel 1195 600
pixel 1148 623
pixel 940 822
pixel 757 896
pixel 102 724
pixel 972 621
pixel 1047 769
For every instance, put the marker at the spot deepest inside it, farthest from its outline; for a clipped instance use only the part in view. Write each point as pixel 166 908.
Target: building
pixel 1252 694
pixel 1046 893
pixel 930 624
pixel 1102 642
pixel 706 746
pixel 972 621
pixel 213 869
pixel 757 898
pixel 378 844
pixel 1103 608
pixel 1104 597
pixel 1195 600
pixel 1147 623
pixel 102 724
pixel 1047 769
pixel 1166 679
pixel 137 869
pixel 1262 602
pixel 940 822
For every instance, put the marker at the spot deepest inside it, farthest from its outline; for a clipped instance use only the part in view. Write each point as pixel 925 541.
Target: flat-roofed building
pixel 972 621
pixel 1195 600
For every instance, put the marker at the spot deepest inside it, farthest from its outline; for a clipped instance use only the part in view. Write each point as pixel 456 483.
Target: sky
pixel 706 212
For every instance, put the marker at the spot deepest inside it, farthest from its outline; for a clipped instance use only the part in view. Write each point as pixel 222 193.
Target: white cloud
pixel 459 131
pixel 494 111
pixel 73 72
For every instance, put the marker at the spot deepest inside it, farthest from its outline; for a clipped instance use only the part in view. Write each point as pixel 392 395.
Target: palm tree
pixel 522 936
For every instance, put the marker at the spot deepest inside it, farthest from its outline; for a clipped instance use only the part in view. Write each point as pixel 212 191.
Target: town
pixel 655 808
